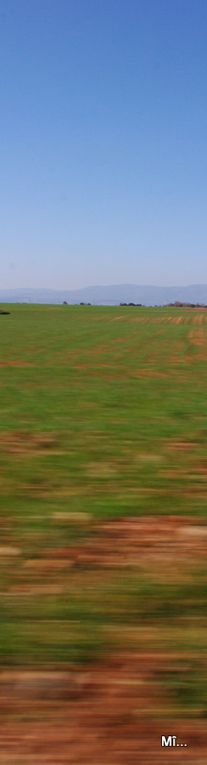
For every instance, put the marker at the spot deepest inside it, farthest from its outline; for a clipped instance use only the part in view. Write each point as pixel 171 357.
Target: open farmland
pixel 103 478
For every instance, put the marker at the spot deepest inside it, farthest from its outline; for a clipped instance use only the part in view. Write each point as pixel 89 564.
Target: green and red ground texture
pixel 103 534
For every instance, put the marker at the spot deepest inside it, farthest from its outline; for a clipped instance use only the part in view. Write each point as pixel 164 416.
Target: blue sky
pixel 103 142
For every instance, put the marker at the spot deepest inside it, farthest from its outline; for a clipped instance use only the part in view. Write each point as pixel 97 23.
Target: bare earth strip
pixel 115 711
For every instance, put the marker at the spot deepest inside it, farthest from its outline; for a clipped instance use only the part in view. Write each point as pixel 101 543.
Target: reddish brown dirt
pixel 167 547
pixel 146 544
pixel 106 716
pixel 115 711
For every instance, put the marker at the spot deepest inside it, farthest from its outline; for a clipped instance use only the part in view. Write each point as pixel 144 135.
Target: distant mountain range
pixel 110 295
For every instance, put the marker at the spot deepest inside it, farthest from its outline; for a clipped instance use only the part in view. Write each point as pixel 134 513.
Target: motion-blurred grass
pixel 103 412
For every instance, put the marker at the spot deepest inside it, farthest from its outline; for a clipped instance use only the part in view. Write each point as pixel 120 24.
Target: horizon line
pixel 104 286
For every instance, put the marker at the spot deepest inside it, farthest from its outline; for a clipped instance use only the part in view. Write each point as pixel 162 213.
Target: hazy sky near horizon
pixel 103 142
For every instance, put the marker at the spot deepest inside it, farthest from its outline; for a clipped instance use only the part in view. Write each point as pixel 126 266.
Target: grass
pixel 93 388
pixel 102 411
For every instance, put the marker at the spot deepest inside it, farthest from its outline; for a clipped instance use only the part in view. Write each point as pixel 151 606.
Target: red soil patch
pixel 115 711
pixel 147 544
pixel 111 714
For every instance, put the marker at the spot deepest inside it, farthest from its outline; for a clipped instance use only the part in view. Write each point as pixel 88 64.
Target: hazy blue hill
pixel 110 295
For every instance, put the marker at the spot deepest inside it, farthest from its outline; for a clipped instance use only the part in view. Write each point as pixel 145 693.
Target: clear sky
pixel 103 144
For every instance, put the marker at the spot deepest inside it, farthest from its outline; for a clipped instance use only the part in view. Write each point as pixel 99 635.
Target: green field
pixel 103 418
